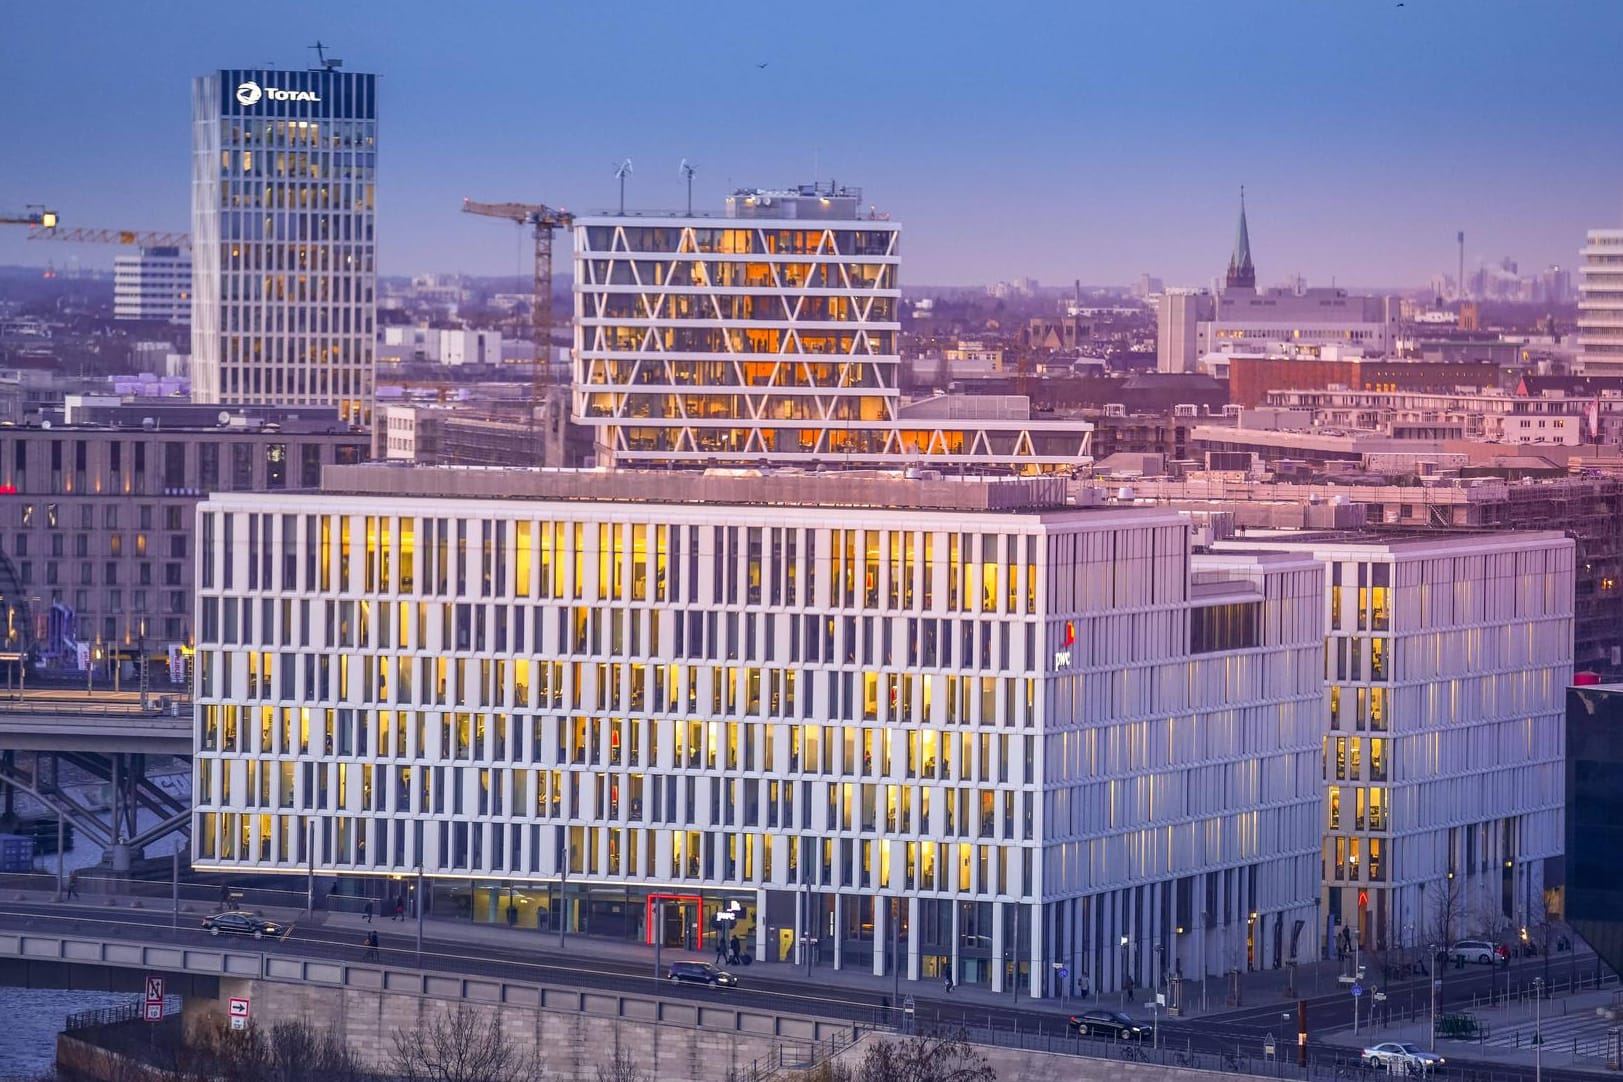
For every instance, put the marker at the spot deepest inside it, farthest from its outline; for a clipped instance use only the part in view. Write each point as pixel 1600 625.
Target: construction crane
pixel 542 220
pixel 141 238
pixel 35 216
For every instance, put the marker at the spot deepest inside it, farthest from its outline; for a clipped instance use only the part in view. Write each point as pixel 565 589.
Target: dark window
pixel 208 466
pixel 310 465
pixel 1236 626
pixel 174 465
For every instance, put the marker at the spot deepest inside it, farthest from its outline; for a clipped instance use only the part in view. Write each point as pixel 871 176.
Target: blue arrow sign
pixel 1357 990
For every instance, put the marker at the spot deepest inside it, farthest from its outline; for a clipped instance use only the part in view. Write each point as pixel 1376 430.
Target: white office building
pixel 153 284
pixel 1290 322
pixel 284 257
pixel 1600 304
pixel 1446 664
pixel 769 336
pixel 921 723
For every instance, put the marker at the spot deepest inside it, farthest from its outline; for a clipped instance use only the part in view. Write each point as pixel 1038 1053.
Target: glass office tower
pixel 284 252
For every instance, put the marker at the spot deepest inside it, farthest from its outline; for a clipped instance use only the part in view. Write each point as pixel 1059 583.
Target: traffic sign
pixel 1379 997
pixel 153 1011
pixel 1063 972
pixel 239 1012
pixel 155 989
pixel 1357 990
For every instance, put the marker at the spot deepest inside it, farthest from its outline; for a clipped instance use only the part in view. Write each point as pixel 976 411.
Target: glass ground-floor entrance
pixel 695 920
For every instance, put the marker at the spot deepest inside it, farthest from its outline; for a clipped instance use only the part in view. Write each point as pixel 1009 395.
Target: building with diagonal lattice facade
pixel 769 336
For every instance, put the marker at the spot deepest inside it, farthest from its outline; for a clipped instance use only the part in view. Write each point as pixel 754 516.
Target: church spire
pixel 1242 275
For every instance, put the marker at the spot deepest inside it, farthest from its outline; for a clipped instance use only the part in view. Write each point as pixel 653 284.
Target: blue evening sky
pixel 1057 140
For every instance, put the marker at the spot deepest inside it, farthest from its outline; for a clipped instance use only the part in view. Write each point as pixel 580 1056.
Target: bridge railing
pixel 167 708
pixel 440 977
pixel 92 885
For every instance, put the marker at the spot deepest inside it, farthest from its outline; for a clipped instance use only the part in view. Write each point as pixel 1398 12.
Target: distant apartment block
pixel 153 284
pixel 1600 304
pixel 98 520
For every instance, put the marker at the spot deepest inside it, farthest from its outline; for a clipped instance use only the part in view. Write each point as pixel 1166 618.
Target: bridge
pixel 367 1002
pixel 103 739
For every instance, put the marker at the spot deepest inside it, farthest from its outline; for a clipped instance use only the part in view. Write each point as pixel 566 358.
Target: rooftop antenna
pixel 687 170
pixel 621 172
pixel 321 57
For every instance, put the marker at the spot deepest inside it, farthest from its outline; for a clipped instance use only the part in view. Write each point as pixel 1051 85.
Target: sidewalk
pixel 1256 989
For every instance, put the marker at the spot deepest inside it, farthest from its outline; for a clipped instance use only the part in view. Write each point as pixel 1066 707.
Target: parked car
pixel 1400 1057
pixel 702 973
pixel 1112 1024
pixel 1476 950
pixel 243 923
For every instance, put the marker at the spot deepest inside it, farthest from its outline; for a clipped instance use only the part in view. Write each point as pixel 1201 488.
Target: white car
pixel 1476 951
pixel 1401 1057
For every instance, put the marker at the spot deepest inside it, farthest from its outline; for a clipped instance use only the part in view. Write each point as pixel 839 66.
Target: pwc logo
pixel 250 92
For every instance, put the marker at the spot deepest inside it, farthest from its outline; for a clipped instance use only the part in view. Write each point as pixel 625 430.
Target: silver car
pixel 1401 1057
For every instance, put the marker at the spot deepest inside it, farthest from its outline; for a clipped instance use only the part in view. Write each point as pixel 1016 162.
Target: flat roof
pixel 1441 539
pixel 923 490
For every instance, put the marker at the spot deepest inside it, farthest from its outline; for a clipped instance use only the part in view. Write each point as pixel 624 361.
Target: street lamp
pixel 563 905
pixel 1538 1029
pixel 1123 981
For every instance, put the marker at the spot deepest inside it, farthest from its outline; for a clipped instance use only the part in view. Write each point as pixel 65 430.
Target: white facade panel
pixel 1036 732
pixel 1446 664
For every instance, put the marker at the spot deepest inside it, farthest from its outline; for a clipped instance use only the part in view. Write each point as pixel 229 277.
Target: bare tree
pixel 299 1052
pixel 1446 921
pixel 924 1059
pixel 622 1068
pixel 458 1046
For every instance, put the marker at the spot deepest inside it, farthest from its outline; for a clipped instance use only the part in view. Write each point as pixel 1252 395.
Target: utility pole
pixel 895 963
pixel 174 886
pixel 563 905
pixel 310 857
pixel 659 935
pixel 1435 986
pixel 419 906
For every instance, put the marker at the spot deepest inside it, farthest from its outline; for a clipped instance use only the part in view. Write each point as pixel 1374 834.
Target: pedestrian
pixel 733 950
pixel 399 907
pixel 225 896
pixel 946 976
pixel 73 884
pixel 721 949
pixel 367 911
pixel 372 946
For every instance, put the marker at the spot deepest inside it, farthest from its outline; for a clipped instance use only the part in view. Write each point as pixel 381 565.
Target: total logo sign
pixel 250 93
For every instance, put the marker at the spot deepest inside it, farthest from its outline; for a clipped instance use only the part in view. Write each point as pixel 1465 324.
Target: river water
pixel 31 1020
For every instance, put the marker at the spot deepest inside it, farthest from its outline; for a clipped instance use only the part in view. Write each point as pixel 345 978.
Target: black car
pixel 241 923
pixel 702 973
pixel 1112 1024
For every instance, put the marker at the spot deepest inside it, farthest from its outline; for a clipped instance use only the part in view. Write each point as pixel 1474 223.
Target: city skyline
pixel 1117 151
